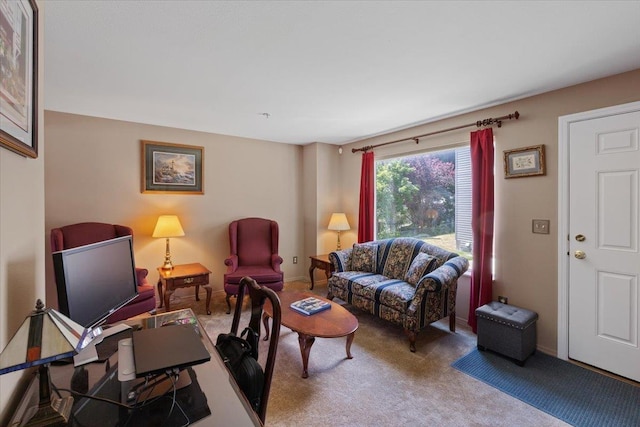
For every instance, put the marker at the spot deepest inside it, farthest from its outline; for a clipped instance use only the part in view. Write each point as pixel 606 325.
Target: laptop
pixel 157 350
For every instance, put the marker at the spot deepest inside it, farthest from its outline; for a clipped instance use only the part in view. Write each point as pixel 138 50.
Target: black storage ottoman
pixel 507 329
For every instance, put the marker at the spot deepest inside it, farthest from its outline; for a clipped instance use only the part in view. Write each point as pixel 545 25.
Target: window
pixel 427 196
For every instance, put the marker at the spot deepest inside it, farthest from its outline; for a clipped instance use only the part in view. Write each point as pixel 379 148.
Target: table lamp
pixel 168 226
pixel 339 223
pixel 44 336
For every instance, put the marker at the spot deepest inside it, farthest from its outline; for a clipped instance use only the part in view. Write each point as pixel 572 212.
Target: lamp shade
pixel 339 222
pixel 44 336
pixel 168 226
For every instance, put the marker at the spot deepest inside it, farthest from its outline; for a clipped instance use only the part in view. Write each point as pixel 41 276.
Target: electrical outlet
pixel 295 259
pixel 503 300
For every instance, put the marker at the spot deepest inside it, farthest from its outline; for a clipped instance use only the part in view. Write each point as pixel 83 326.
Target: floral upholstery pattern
pixel 341 260
pixel 364 257
pixel 421 264
pixel 414 283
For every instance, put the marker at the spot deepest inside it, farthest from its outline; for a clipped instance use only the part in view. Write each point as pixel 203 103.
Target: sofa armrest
pixel 441 278
pixel 341 260
pixel 276 260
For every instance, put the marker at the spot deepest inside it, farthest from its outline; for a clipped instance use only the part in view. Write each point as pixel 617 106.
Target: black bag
pixel 241 357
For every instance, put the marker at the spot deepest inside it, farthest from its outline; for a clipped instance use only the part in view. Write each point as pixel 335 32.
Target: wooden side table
pixel 322 262
pixel 184 276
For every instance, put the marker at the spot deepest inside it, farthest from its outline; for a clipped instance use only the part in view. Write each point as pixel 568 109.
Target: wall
pixel 80 188
pixel 93 169
pixel 21 241
pixel 526 263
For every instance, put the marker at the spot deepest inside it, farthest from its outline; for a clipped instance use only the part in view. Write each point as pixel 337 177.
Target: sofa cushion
pixel 396 256
pixel 422 264
pixel 378 289
pixel 364 257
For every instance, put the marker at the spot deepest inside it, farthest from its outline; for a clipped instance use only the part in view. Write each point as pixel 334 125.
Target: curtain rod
pixel 479 123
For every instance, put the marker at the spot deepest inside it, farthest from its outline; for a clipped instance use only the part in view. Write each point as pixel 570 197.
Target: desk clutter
pixel 168 348
pixel 163 371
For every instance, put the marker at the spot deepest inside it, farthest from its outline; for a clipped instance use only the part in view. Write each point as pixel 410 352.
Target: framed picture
pixel 19 76
pixel 527 161
pixel 172 168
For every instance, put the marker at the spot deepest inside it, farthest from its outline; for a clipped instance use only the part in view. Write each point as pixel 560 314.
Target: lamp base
pixel 167 258
pixel 56 414
pixel 51 411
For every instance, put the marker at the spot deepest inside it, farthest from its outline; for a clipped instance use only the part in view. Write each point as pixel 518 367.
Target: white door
pixel 604 258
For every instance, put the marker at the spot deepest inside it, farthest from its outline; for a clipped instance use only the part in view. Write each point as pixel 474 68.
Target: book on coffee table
pixel 310 305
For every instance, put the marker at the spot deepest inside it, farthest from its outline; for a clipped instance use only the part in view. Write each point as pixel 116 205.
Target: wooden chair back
pixel 258 294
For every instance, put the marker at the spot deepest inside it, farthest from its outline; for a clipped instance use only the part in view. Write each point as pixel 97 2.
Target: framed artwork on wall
pixel 527 161
pixel 19 77
pixel 172 168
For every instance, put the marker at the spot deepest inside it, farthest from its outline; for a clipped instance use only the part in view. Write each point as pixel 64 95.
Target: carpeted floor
pixel 570 392
pixel 384 384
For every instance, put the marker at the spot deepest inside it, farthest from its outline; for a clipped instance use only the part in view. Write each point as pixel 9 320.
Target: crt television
pixel 93 281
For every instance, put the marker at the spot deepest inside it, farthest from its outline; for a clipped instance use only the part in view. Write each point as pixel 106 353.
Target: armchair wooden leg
pixel 228 304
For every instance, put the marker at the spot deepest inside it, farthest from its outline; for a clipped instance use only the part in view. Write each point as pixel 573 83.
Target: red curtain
pixel 367 198
pixel 482 220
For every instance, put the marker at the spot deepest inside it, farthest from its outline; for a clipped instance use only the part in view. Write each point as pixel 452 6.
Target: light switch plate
pixel 540 226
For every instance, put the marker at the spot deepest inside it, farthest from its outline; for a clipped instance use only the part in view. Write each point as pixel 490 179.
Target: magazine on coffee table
pixel 310 305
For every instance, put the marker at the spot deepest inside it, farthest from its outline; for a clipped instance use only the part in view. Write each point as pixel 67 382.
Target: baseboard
pixel 300 279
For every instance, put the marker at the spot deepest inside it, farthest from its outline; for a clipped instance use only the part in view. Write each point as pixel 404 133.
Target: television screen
pixel 95 280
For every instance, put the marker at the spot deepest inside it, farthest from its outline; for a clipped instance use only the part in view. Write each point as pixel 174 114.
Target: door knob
pixel 580 255
pixel 580 237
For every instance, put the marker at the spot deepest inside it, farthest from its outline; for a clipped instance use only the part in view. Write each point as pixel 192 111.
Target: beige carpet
pixel 384 384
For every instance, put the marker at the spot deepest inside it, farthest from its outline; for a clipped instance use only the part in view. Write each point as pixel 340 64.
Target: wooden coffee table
pixel 333 323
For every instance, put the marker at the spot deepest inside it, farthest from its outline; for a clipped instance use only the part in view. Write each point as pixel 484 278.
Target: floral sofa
pixel 403 280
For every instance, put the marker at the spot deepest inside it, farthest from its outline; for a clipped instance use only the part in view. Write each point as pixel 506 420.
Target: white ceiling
pixel 323 71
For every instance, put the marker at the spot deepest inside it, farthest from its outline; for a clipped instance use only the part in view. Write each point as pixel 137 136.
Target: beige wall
pixel 526 263
pixel 311 182
pixel 21 241
pixel 301 186
pixel 92 172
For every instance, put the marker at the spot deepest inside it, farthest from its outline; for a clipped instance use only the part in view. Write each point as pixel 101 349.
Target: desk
pixel 224 399
pixel 183 276
pixel 322 262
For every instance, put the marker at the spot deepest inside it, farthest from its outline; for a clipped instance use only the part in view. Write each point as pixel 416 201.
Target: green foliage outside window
pixel 415 197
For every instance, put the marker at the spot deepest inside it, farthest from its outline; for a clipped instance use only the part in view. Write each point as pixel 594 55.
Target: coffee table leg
pixel 305 341
pixel 349 341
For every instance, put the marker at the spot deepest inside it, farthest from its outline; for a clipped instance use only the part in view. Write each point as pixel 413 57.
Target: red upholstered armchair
pixel 253 244
pixel 71 236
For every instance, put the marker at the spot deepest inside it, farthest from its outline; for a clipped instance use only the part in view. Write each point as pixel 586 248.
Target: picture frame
pixel 19 77
pixel 172 168
pixel 527 161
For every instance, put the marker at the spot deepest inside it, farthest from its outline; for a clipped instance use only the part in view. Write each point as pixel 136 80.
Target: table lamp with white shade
pixel 168 226
pixel 338 222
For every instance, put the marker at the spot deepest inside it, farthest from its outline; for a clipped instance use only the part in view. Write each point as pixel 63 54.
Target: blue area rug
pixel 566 391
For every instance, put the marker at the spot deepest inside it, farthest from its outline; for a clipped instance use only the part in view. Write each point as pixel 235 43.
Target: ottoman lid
pixel 509 315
